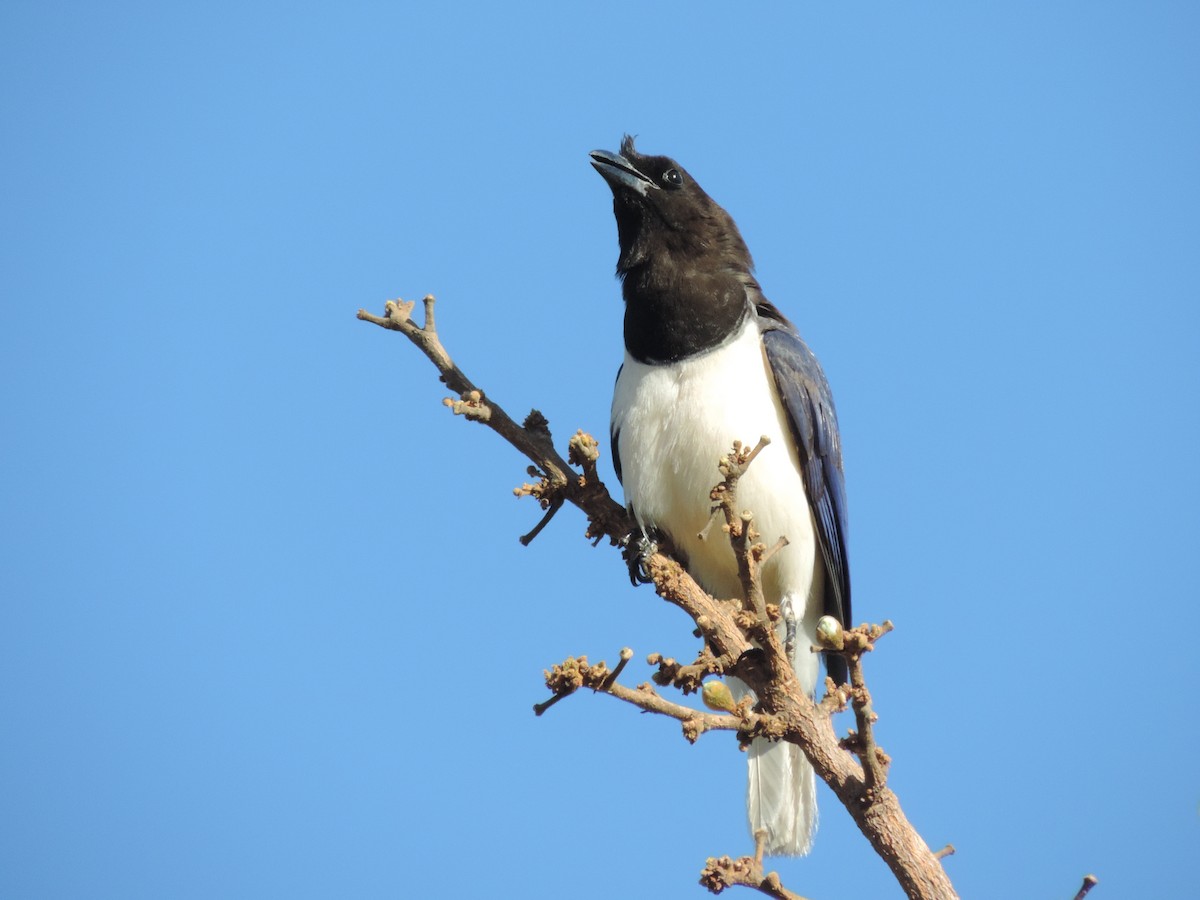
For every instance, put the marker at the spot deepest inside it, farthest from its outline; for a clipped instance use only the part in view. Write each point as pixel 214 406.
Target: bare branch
pixel 730 630
pixel 689 678
pixel 875 762
pixel 1089 882
pixel 694 722
pixel 743 537
pixel 606 518
pixel 745 871
pixel 625 657
pixel 576 672
pixel 552 507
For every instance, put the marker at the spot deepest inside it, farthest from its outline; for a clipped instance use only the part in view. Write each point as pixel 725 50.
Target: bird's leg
pixel 787 612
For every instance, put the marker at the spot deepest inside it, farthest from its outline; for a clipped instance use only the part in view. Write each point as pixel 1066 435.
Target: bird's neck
pixel 676 312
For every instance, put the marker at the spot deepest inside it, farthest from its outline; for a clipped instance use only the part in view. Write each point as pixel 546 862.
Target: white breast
pixel 674 422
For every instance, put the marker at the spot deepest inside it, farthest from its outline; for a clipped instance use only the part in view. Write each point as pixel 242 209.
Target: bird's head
pixel 663 213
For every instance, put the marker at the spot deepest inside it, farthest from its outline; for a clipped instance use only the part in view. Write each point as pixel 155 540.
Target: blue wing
pixel 809 405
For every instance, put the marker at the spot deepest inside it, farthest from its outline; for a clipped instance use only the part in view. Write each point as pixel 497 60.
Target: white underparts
pixel 674 422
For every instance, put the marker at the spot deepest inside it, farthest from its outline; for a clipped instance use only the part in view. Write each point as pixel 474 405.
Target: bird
pixel 710 360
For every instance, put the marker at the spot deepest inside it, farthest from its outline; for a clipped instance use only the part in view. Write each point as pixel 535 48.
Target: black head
pixel 661 210
pixel 685 270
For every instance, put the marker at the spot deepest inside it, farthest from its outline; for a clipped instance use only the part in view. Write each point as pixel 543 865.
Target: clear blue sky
pixel 265 626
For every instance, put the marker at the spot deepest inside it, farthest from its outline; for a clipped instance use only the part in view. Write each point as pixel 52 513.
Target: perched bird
pixel 709 360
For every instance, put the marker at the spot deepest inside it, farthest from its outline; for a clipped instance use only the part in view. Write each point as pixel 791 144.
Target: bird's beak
pixel 620 172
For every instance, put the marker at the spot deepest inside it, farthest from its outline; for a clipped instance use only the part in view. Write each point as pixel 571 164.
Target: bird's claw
pixel 636 550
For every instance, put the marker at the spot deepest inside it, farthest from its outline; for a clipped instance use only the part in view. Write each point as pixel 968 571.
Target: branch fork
pixel 724 872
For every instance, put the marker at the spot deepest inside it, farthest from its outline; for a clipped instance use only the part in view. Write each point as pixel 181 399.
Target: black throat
pixel 676 312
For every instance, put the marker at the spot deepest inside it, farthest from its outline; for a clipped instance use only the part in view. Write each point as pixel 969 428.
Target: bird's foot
pixel 637 548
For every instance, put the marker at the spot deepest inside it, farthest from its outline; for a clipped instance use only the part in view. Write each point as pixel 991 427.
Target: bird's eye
pixel 672 177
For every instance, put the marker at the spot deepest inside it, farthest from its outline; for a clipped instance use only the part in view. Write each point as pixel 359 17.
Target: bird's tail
pixel 782 797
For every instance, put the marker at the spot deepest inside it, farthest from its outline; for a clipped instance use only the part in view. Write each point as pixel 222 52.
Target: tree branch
pixel 730 630
pixel 606 517
pixel 852 645
pixel 574 673
pixel 745 871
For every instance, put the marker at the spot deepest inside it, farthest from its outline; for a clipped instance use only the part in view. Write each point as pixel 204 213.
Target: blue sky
pixel 265 626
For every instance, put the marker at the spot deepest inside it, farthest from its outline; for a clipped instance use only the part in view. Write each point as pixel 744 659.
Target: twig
pixel 1089 882
pixel 874 760
pixel 745 871
pixel 574 673
pixel 739 527
pixel 948 850
pixel 555 505
pixel 852 644
pixel 626 656
pixel 539 708
pixel 689 678
pixel 693 721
